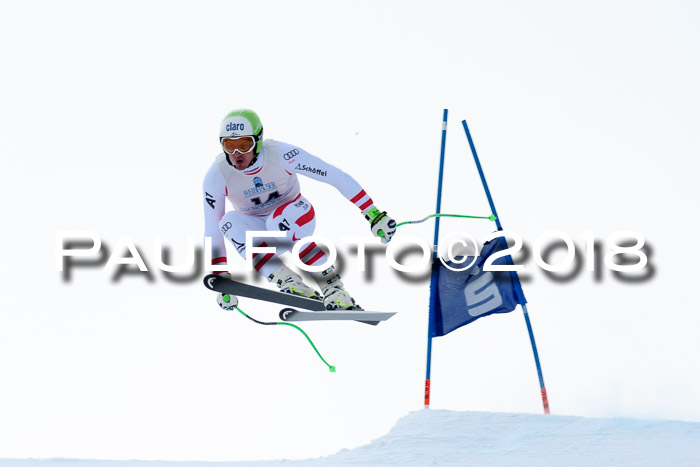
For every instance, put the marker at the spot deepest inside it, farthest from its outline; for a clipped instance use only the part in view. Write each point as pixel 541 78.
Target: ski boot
pixel 335 297
pixel 289 281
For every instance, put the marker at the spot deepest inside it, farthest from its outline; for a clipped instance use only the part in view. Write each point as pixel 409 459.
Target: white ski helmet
pixel 242 122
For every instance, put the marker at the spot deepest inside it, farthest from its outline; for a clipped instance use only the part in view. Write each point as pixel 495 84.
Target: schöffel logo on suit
pixel 290 155
pixel 313 170
pixel 235 126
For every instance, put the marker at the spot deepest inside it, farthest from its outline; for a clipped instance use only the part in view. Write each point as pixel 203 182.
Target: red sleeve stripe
pixel 315 258
pixel 358 196
pixel 279 210
pixel 366 205
pixel 362 201
pixel 306 218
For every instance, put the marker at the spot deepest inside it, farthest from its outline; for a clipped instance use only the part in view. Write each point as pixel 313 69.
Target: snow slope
pixel 440 437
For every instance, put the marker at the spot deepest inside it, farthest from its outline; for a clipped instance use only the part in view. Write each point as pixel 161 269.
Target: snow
pixel 442 437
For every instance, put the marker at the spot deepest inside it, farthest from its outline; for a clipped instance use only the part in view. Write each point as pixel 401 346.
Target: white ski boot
pixel 335 297
pixel 289 281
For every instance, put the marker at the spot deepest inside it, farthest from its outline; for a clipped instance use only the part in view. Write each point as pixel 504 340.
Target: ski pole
pixel 491 218
pixel 331 368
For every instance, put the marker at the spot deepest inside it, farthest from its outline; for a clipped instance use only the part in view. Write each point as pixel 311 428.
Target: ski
pixel 223 285
pixel 368 317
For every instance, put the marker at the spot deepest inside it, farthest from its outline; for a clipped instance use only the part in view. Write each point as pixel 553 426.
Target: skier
pixel 259 178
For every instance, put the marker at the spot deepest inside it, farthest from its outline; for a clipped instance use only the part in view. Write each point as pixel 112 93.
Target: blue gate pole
pixel 519 292
pixel 433 275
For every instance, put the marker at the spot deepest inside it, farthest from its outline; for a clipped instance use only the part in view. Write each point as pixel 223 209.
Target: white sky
pixel 585 118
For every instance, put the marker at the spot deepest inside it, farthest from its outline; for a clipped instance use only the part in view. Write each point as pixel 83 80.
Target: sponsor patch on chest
pixel 259 187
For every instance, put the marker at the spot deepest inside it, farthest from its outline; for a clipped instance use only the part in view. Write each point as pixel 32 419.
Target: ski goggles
pixel 241 144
